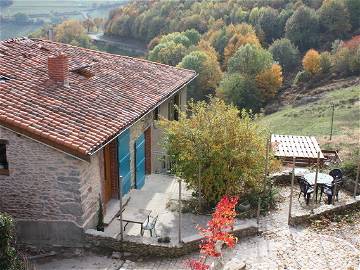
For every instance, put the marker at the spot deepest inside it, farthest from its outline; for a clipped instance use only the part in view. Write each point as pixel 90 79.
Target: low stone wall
pixel 329 210
pixel 48 234
pixel 150 247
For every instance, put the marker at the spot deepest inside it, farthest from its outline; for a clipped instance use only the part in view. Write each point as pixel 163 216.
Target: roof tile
pixel 92 110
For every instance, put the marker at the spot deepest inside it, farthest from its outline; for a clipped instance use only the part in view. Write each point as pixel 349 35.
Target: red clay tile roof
pixel 92 111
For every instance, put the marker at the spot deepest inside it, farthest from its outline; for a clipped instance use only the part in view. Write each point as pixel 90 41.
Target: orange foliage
pixel 269 81
pixel 352 43
pixel 311 62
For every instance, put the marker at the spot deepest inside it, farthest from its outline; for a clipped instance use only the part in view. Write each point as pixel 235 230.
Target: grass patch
pixel 315 119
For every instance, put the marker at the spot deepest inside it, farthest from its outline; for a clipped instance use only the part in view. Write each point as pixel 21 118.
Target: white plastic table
pixel 323 179
pixel 134 215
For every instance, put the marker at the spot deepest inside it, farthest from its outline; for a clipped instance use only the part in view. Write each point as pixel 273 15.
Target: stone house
pixel 72 121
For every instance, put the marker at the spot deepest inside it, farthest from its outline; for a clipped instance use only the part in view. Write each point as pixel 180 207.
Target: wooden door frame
pixel 111 185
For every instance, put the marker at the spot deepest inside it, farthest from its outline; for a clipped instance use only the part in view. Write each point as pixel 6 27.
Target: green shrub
pixel 349 166
pixel 268 199
pixel 325 62
pixel 342 61
pixel 8 254
pixel 355 62
pixel 100 225
pixel 302 76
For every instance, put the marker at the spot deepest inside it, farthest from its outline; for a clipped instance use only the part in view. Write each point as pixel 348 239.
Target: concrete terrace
pixel 158 191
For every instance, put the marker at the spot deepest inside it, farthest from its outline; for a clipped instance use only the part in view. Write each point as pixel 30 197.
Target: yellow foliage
pixel 237 41
pixel 228 150
pixel 269 81
pixel 311 62
pixel 206 47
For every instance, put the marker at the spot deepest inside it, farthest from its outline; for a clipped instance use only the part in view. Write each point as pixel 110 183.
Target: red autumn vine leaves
pixel 217 231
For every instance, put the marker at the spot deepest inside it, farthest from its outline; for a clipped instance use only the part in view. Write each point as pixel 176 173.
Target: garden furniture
pixel 332 190
pixel 336 174
pixel 305 188
pixel 136 216
pixel 150 226
pixel 323 180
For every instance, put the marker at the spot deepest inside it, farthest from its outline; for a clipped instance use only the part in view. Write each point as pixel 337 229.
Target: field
pixel 315 119
pixel 46 8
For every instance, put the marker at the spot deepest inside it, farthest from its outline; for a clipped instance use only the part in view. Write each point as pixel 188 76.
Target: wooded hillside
pixel 244 50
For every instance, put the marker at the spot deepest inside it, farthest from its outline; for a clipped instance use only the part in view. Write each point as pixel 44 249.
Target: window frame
pixel 4 171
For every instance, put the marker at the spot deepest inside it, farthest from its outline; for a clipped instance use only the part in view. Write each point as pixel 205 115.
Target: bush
pixel 285 53
pixel 355 62
pixel 302 76
pixel 325 62
pixel 349 167
pixel 100 225
pixel 8 255
pixel 268 200
pixel 311 62
pixel 342 61
pixel 228 149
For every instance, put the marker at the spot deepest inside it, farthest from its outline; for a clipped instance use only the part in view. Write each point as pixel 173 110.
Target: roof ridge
pixel 13 39
pixel 116 55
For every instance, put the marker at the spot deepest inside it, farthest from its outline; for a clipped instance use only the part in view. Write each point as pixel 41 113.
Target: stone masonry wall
pixel 51 195
pixel 92 177
pixel 143 246
pixel 43 183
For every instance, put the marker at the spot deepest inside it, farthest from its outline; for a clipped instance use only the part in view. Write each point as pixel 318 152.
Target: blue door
pixel 124 161
pixel 140 161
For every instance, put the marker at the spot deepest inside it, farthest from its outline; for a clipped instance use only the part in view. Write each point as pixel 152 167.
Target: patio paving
pixel 158 190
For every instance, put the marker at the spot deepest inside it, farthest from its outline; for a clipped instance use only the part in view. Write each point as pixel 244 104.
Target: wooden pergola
pixel 304 148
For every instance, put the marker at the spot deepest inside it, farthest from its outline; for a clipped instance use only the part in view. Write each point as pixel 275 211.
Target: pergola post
pixel 265 177
pixel 121 210
pixel 316 177
pixel 180 206
pixel 199 186
pixel 332 120
pixel 291 190
pixel 357 180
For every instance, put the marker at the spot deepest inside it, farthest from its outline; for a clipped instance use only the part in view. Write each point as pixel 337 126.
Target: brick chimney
pixel 58 68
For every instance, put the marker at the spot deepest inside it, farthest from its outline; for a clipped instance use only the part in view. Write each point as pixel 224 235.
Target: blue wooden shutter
pixel 140 161
pixel 124 160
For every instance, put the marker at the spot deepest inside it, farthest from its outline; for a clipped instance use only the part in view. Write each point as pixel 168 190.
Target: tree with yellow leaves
pixel 227 149
pixel 269 81
pixel 311 62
